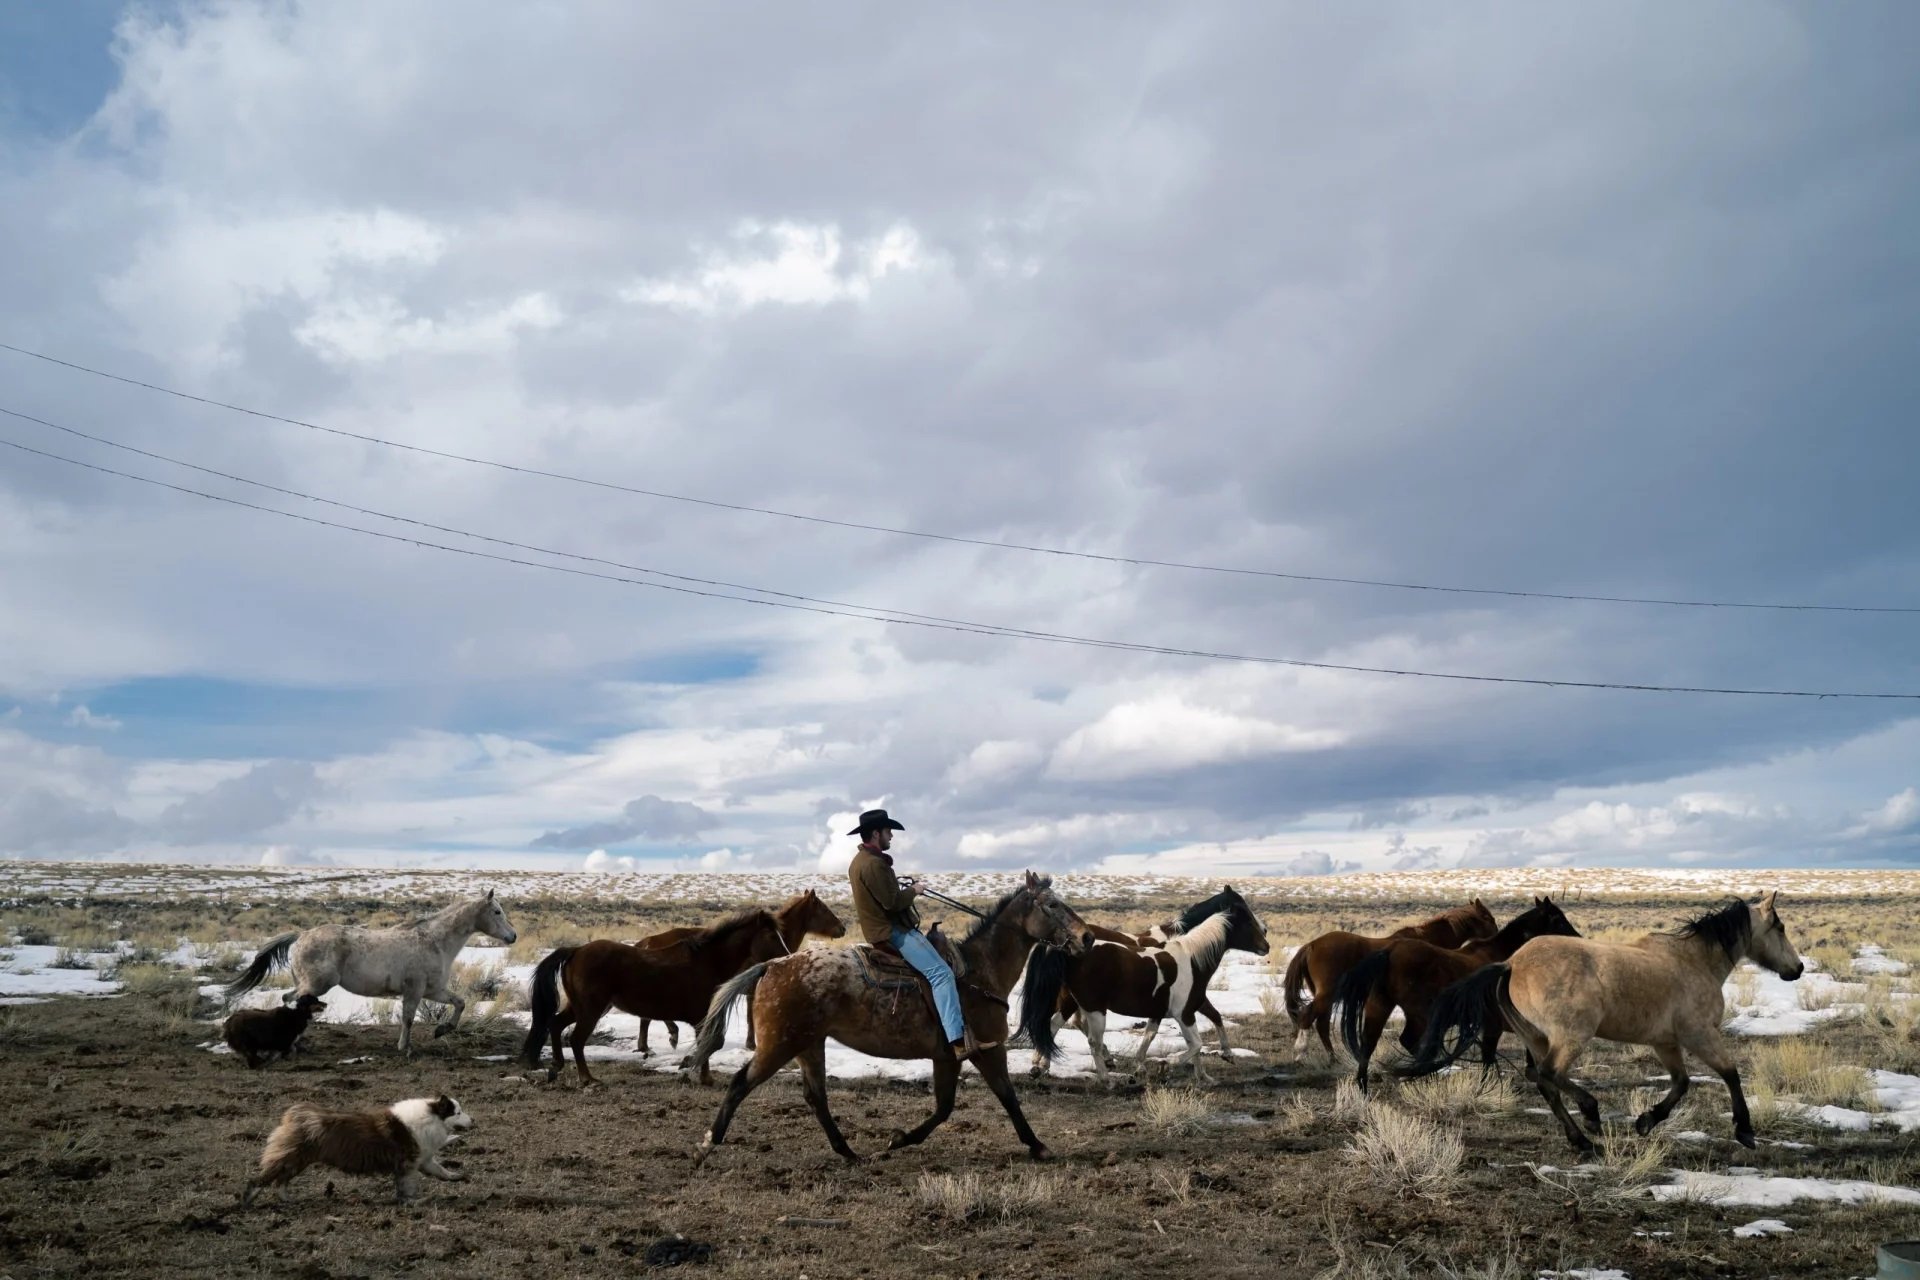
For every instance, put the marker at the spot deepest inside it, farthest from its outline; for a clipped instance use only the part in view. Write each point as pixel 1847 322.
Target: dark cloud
pixel 648 818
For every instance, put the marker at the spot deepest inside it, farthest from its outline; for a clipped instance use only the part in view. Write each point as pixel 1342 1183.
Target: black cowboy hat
pixel 874 818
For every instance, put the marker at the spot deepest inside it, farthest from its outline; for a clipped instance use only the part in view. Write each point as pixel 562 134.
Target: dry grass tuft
pixel 962 1197
pixel 1809 1071
pixel 1349 1102
pixel 1460 1093
pixel 1175 1110
pixel 1399 1149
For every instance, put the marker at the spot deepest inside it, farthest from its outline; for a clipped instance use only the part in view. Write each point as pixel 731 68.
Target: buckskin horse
pixel 802 915
pixel 676 982
pixel 1409 974
pixel 1155 984
pixel 801 1000
pixel 1664 990
pixel 1317 966
pixel 411 962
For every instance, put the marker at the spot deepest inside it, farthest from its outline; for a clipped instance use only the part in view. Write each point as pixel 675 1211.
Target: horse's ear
pixel 1537 899
pixel 489 895
pixel 1767 903
pixel 1033 881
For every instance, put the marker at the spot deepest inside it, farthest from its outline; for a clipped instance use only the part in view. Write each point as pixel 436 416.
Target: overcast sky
pixel 1604 299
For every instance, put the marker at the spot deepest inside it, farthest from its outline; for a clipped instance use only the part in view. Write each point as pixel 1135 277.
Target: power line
pixel 994 543
pixel 807 604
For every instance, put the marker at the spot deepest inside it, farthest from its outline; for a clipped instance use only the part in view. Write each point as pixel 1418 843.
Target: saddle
pixel 884 968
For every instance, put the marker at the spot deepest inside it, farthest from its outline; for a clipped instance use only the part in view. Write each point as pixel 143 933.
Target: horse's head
pixel 1480 921
pixel 1767 943
pixel 1245 930
pixel 1545 919
pixel 1046 919
pixel 490 918
pixel 819 917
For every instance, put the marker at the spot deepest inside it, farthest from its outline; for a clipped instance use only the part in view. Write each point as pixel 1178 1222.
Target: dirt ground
pixel 124 1145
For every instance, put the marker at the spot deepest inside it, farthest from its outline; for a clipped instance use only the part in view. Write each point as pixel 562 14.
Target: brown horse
pixel 1409 974
pixel 1154 984
pixel 802 915
pixel 806 998
pixel 674 983
pixel 1317 966
pixel 1663 991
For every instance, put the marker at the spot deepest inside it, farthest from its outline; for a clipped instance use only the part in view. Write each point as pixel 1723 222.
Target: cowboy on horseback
pixel 883 902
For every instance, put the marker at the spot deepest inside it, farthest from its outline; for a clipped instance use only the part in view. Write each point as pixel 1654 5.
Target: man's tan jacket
pixel 879 903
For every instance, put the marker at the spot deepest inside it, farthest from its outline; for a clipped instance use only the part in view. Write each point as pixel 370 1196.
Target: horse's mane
pixel 1221 901
pixel 1517 927
pixel 720 930
pixel 1205 943
pixel 1725 926
pixel 993 912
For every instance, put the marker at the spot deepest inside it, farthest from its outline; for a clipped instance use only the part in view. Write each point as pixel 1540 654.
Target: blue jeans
pixel 919 953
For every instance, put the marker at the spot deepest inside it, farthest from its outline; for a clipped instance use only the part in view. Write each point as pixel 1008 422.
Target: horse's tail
pixel 1046 977
pixel 1460 1015
pixel 1294 985
pixel 1353 991
pixel 272 954
pixel 713 1027
pixel 544 1000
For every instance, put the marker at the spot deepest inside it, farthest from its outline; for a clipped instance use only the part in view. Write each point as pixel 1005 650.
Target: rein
pixel 941 897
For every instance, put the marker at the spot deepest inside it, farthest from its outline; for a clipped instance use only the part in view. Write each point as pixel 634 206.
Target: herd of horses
pixel 1459 980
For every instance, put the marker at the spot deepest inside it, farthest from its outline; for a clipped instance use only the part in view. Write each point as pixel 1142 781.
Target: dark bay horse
pixel 1154 984
pixel 1664 991
pixel 1158 936
pixel 1409 975
pixel 676 982
pixel 801 915
pixel 1317 966
pixel 801 1000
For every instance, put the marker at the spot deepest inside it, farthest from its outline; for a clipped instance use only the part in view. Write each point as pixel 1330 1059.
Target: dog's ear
pixel 443 1106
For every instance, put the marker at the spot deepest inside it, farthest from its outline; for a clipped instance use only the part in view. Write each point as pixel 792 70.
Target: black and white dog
pixel 402 1142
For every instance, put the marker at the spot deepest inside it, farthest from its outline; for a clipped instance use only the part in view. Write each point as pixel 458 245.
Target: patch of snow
pixel 1874 959
pixel 1763 1227
pixel 1768 1193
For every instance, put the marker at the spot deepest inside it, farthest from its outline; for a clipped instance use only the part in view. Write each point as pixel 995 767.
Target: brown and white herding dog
pixel 401 1142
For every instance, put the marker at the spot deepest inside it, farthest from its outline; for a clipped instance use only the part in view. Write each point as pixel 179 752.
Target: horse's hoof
pixel 1041 1153
pixel 1643 1123
pixel 1745 1138
pixel 898 1140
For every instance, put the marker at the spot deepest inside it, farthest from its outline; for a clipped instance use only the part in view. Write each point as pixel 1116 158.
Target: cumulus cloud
pixel 1166 735
pixel 263 797
pixel 648 818
pixel 600 861
pixel 81 718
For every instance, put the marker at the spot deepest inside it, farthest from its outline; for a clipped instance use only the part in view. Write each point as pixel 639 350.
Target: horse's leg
pixel 1319 1015
pixel 1192 1038
pixel 586 1018
pixel 459 1009
pixel 992 1066
pixel 1205 1006
pixel 1707 1046
pixel 1146 1042
pixel 1040 1065
pixel 1676 1064
pixel 813 1081
pixel 673 1033
pixel 409 1004
pixel 1372 1027
pixel 750 1040
pixel 946 1078
pixel 1093 1023
pixel 759 1069
pixel 640 1045
pixel 1553 1062
pixel 561 1021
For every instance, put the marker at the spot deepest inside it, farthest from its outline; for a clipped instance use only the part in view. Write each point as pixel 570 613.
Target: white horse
pixel 412 961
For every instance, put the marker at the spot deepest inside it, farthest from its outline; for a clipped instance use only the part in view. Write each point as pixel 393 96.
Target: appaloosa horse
pixel 674 983
pixel 412 962
pixel 1317 966
pixel 1664 990
pixel 802 915
pixel 1409 975
pixel 802 1000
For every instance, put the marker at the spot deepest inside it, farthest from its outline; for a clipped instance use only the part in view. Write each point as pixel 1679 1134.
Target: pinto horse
pixel 1158 936
pixel 802 915
pixel 674 983
pixel 413 962
pixel 1110 978
pixel 1664 990
pixel 801 1000
pixel 1317 966
pixel 1408 974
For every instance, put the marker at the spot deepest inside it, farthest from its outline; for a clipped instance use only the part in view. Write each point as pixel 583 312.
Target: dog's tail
pixel 713 1028
pixel 1293 986
pixel 544 999
pixel 1460 1015
pixel 301 1126
pixel 265 961
pixel 1351 993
